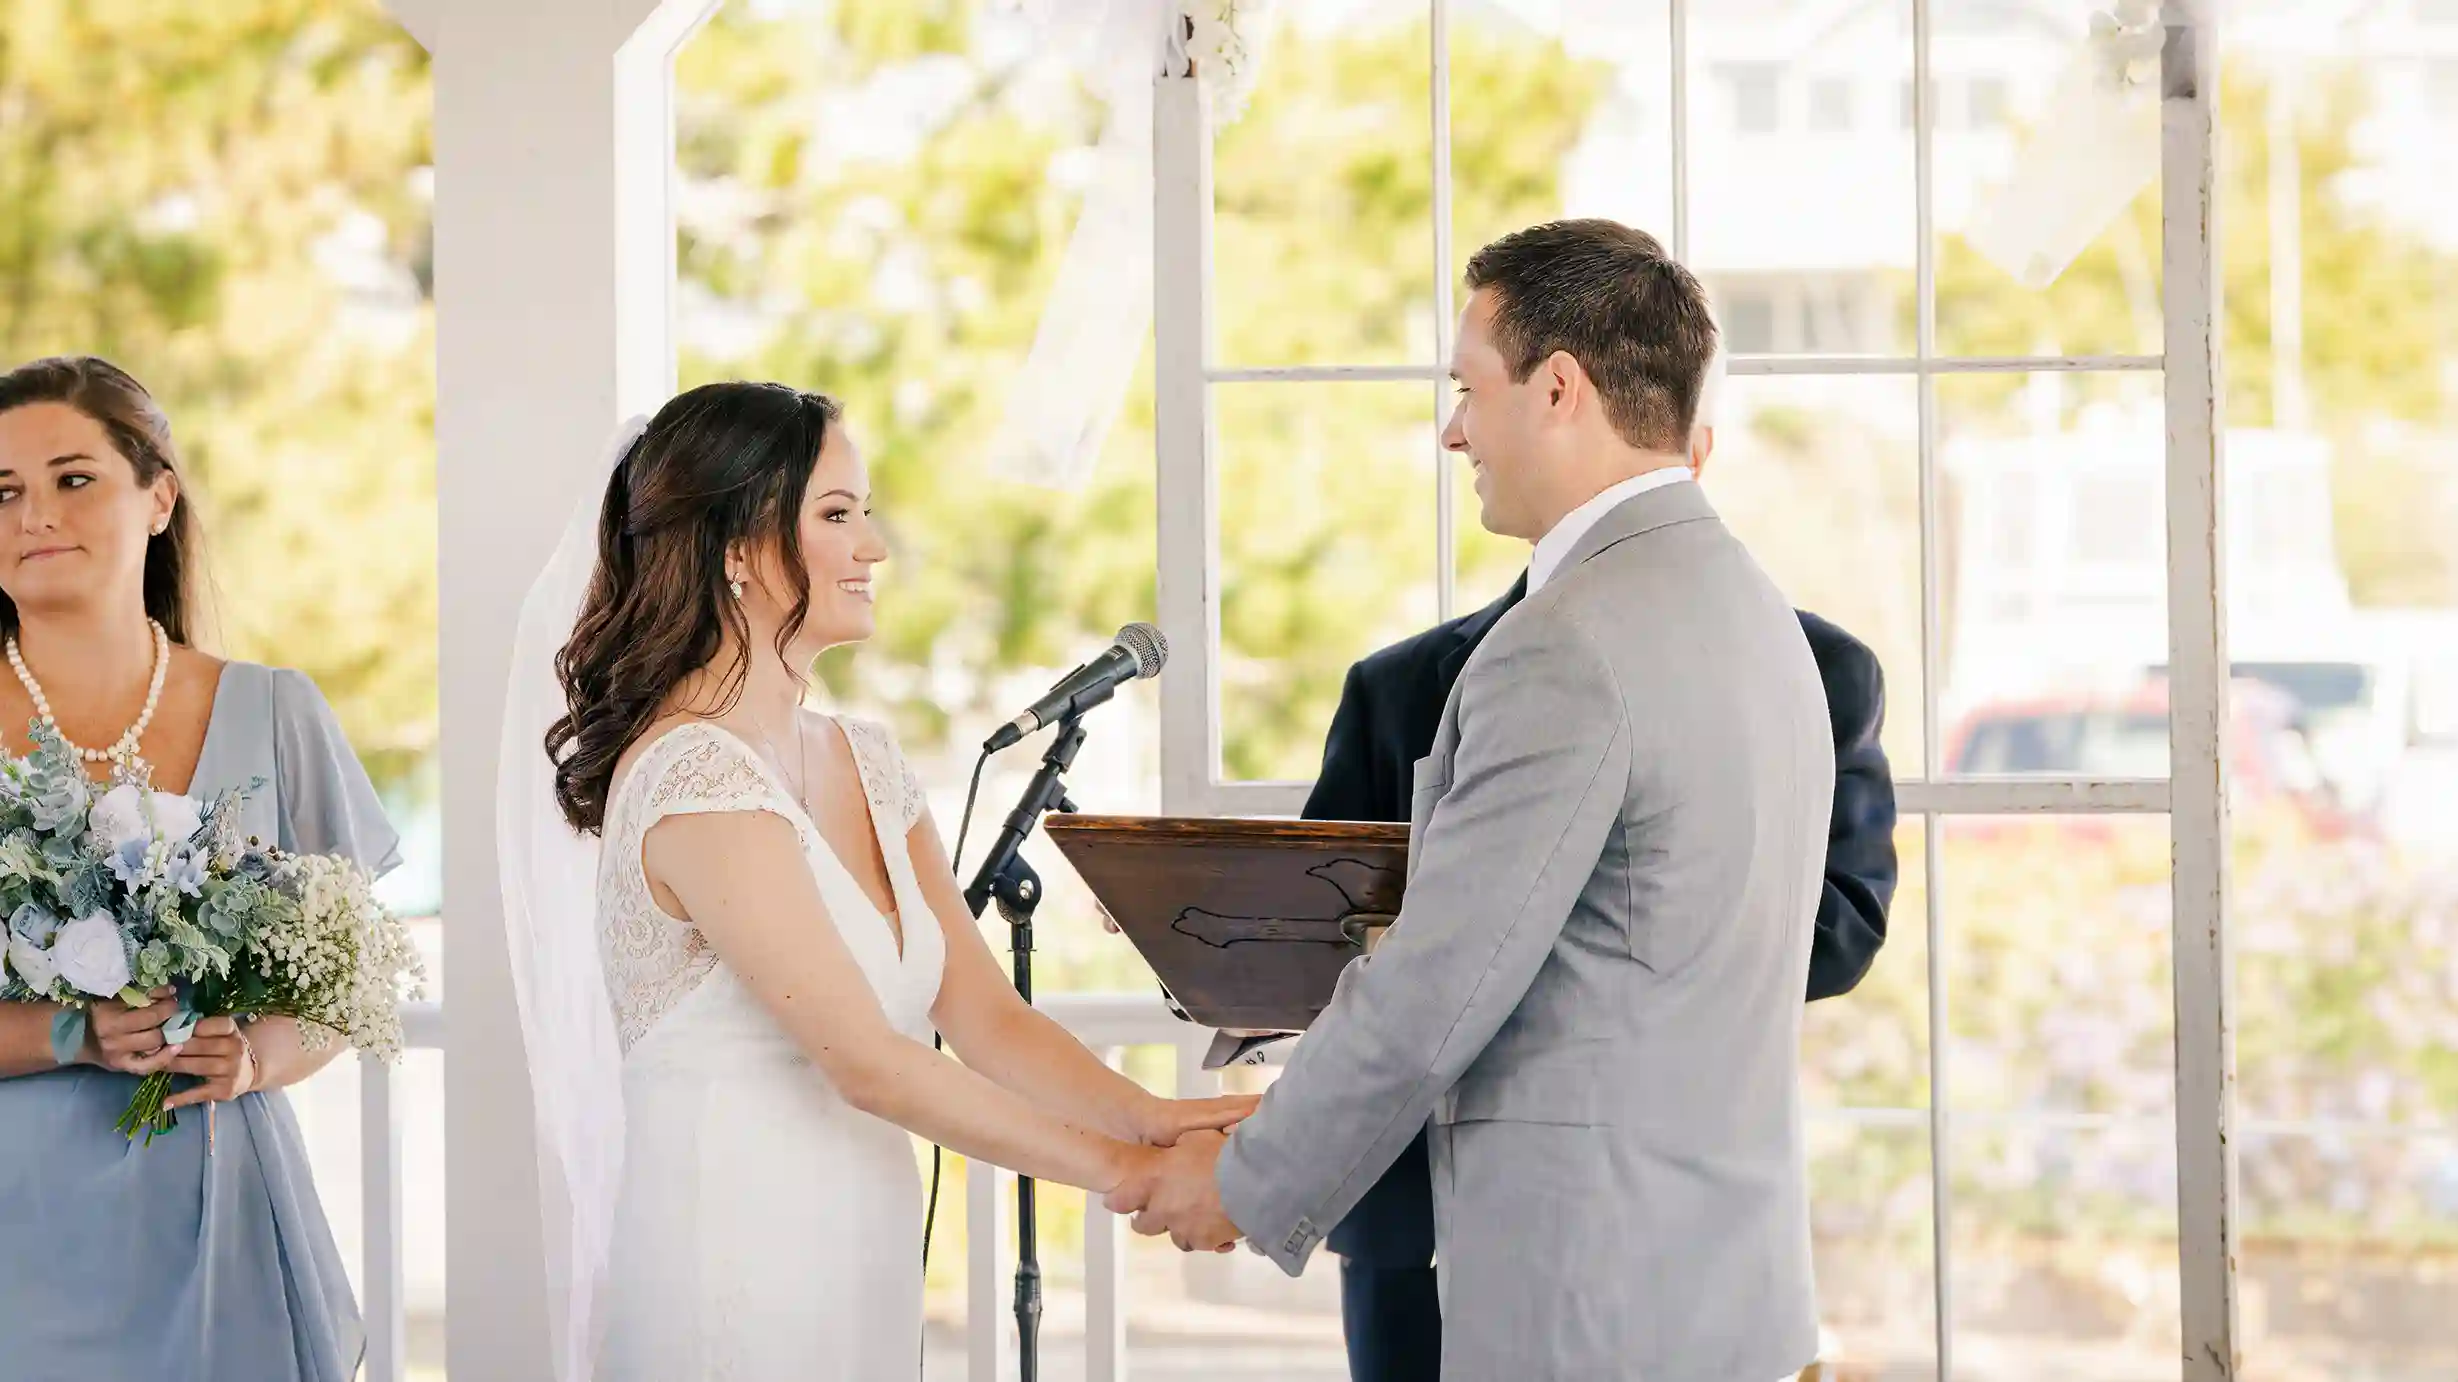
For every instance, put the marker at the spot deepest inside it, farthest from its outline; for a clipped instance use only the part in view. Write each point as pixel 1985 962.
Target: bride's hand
pixel 1167 1120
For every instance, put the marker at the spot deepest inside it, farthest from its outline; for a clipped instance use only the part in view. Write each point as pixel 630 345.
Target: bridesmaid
pixel 124 1260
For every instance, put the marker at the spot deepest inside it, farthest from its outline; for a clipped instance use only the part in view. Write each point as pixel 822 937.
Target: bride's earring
pixel 736 586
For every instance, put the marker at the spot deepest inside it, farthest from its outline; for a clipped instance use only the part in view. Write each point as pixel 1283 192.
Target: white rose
pixel 91 955
pixel 32 963
pixel 119 817
pixel 176 818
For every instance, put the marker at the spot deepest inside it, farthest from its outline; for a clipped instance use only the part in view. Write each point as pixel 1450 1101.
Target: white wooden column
pixel 1184 486
pixel 2198 656
pixel 553 265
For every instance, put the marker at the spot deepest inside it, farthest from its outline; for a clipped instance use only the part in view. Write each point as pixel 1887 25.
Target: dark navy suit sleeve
pixel 1344 789
pixel 1860 848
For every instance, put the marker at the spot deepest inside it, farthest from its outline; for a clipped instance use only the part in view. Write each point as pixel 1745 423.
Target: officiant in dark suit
pixel 1389 709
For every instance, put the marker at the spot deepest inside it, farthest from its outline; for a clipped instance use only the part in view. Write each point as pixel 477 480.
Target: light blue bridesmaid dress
pixel 159 1263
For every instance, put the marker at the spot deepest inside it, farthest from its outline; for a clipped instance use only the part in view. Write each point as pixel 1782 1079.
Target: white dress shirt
pixel 1555 546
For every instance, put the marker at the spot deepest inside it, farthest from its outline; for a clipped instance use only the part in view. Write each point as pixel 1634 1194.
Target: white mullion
pixel 1187 574
pixel 2048 796
pixel 1678 17
pixel 1987 797
pixel 2198 716
pixel 1446 530
pixel 1320 374
pixel 1924 352
pixel 1937 364
pixel 1753 365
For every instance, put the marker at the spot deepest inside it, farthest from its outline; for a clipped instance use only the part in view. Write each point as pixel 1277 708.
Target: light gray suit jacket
pixel 1594 987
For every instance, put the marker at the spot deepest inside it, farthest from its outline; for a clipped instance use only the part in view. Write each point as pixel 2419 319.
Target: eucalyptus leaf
pixel 67 1035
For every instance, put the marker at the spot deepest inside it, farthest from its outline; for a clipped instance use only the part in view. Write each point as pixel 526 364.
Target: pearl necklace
pixel 124 752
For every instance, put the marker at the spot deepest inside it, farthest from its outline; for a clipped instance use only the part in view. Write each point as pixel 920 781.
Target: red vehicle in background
pixel 2127 737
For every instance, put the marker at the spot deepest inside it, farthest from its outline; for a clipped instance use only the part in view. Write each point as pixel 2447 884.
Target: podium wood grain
pixel 1247 923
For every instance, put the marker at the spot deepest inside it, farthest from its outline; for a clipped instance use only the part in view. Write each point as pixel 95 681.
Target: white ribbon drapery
pixel 1099 313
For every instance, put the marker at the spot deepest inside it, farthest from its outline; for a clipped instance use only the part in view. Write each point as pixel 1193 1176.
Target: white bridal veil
pixel 549 876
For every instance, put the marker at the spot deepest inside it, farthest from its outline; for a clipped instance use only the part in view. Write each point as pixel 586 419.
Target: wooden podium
pixel 1247 923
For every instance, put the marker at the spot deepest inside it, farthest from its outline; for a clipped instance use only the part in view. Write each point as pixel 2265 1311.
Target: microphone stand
pixel 1011 882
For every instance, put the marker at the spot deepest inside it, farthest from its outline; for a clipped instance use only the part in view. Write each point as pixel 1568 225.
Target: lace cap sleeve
pixel 709 770
pixel 894 788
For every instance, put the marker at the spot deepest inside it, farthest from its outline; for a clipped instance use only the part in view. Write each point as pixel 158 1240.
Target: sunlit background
pixel 233 201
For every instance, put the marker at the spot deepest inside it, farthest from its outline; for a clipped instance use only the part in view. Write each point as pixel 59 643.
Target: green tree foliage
pixel 909 282
pixel 223 199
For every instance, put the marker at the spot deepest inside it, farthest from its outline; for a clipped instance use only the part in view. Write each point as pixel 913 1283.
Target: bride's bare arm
pixel 997 1033
pixel 742 880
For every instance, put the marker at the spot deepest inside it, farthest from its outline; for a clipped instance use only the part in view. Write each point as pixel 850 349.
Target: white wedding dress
pixel 766 1229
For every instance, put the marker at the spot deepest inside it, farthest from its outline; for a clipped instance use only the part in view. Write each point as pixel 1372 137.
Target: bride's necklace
pixel 798 781
pixel 124 751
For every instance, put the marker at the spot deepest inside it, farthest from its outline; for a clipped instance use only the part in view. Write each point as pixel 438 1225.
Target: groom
pixel 1594 986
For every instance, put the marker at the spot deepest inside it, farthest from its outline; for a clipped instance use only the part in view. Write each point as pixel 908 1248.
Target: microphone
pixel 1138 652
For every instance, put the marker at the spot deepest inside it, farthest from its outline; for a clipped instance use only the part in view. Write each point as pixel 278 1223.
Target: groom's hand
pixel 1177 1193
pixel 1163 1121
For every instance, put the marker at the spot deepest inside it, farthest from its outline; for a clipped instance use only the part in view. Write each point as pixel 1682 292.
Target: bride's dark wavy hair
pixel 721 464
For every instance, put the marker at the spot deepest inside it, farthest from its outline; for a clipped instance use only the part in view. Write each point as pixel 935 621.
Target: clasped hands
pixel 1171 1189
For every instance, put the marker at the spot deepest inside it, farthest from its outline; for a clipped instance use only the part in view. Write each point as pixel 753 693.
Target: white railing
pixel 1109 1023
pixel 386 1309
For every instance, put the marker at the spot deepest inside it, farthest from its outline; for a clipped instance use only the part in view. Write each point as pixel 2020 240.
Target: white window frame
pixel 2194 797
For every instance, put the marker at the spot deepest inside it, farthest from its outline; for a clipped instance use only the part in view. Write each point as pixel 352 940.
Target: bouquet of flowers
pixel 115 892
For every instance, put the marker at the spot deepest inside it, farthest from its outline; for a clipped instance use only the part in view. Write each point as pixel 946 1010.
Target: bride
pixel 747 1011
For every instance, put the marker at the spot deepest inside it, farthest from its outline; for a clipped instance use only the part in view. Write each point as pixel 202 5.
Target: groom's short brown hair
pixel 1612 299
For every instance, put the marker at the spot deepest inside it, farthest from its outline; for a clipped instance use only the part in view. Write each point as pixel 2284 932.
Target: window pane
pixel 1821 477
pixel 2345 920
pixel 2342 344
pixel 2346 1251
pixel 2345 946
pixel 1785 205
pixel 1986 102
pixel 1326 554
pixel 1748 319
pixel 1999 69
pixel 2057 965
pixel 1873 1247
pixel 1323 193
pixel 2052 575
pixel 2065 1252
pixel 1831 103
pixel 1756 94
pixel 1555 115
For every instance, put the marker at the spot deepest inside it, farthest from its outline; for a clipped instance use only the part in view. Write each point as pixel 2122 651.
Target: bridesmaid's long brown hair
pixel 720 464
